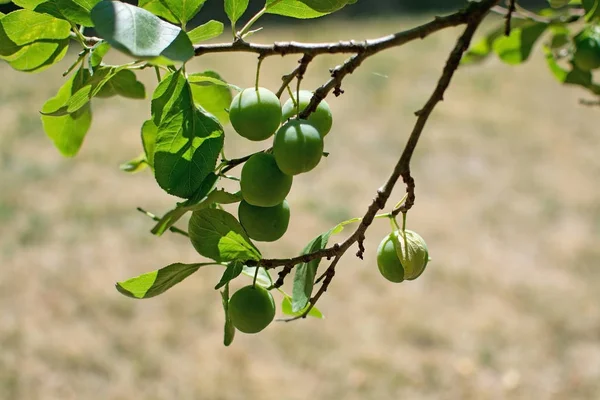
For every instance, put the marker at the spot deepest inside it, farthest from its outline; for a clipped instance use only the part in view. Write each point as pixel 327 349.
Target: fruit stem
pixel 404 234
pixel 394 223
pixel 291 93
pixel 399 204
pixel 260 60
pixel 298 97
pixel 255 275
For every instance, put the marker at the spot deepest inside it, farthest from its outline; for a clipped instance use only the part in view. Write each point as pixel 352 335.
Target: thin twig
pixel 299 72
pixel 157 219
pixel 231 164
pixel 511 10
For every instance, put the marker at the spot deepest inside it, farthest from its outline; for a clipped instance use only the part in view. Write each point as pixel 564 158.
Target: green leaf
pixel 209 80
pixel 2 14
pixel 214 197
pixel 149 132
pixel 483 48
pixel 184 10
pixel 124 83
pixel 325 6
pixel 77 11
pixel 286 308
pixel 516 48
pixel 92 86
pixel 188 141
pixel 558 3
pixel 140 33
pixel 292 8
pixel 176 11
pixel 235 9
pixel 263 278
pixel 158 7
pixel 304 278
pixel 135 165
pixel 233 270
pixel 157 282
pixel 28 4
pixel 216 234
pixel 215 99
pixel 209 30
pixel 31 41
pixel 98 52
pixel 575 76
pixel 229 331
pixel 592 9
pixel 24 27
pixel 39 56
pixel 68 131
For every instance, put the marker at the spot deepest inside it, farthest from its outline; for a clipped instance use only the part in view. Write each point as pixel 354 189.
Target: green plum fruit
pixel 298 147
pixel 321 118
pixel 399 259
pixel 255 113
pixel 587 49
pixel 262 182
pixel 264 224
pixel 251 309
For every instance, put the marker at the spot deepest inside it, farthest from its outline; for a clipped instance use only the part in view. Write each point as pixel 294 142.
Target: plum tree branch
pixel 402 168
pixel 476 13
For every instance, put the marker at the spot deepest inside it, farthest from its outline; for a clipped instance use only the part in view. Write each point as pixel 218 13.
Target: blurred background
pixel 507 200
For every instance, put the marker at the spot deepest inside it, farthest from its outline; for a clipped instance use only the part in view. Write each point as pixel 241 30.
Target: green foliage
pixel 77 11
pixel 211 93
pixel 188 141
pixel 67 131
pixel 304 278
pixel 304 9
pixel 31 41
pixel 229 329
pixel 140 33
pixel 209 30
pixel 235 9
pixel 217 235
pixel 157 282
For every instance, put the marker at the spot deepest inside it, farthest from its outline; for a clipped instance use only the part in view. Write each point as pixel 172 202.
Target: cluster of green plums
pixel 266 180
pixel 587 49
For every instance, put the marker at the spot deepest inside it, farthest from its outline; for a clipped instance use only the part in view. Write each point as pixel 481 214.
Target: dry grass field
pixel 508 199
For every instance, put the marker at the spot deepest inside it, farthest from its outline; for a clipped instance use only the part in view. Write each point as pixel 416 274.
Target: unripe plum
pixel 264 224
pixel 251 309
pixel 298 147
pixel 255 113
pixel 262 182
pixel 587 52
pixel 399 259
pixel 321 118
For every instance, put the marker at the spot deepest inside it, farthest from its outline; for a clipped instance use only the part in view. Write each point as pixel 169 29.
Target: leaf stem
pixel 246 28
